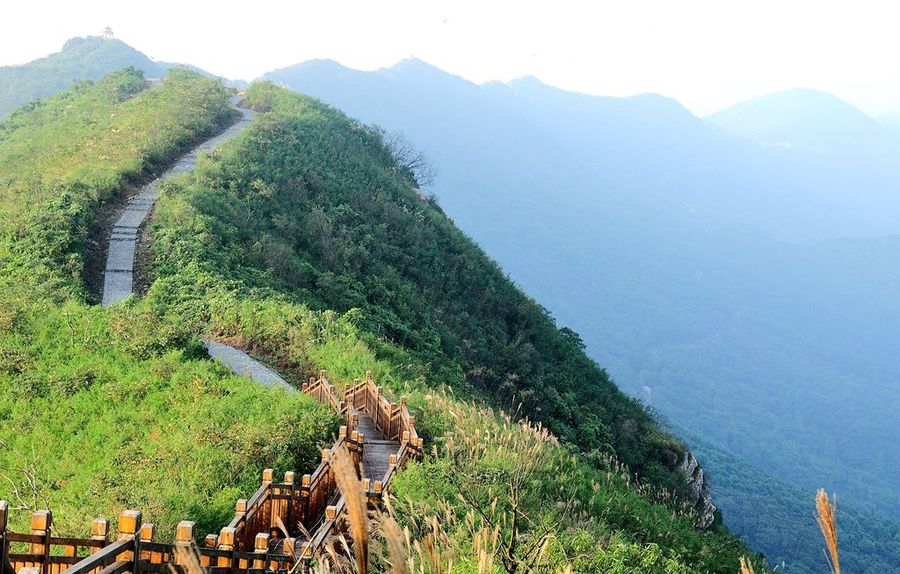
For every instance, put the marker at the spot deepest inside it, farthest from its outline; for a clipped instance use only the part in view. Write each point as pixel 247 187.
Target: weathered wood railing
pixel 242 546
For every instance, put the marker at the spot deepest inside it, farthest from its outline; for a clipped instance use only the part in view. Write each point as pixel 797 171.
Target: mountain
pixel 710 274
pixel 799 118
pixel 304 241
pixel 758 507
pixel 88 58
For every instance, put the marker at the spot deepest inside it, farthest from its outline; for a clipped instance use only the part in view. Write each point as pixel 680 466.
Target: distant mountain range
pixel 88 58
pixel 705 261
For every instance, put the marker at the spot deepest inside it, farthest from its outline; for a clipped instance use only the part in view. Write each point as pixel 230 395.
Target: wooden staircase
pixel 380 437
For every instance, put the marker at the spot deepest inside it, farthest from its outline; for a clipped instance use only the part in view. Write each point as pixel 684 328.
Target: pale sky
pixel 707 54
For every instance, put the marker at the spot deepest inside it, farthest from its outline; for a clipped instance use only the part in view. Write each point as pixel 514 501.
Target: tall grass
pixel 827 520
pixel 351 488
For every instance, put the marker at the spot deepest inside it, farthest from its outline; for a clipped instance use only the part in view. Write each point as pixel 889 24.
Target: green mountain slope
pixel 344 236
pixel 651 233
pixel 308 209
pixel 100 408
pixel 304 242
pixel 758 506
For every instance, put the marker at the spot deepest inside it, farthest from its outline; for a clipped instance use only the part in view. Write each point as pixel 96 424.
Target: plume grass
pixel 827 519
pixel 351 488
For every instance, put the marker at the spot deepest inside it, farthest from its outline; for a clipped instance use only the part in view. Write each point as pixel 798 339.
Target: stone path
pixel 118 277
pixel 243 364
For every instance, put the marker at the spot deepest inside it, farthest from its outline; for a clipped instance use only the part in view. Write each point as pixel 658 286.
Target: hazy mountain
pixel 669 243
pixel 800 118
pixel 88 58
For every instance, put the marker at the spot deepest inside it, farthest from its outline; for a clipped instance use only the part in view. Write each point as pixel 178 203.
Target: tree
pixel 409 158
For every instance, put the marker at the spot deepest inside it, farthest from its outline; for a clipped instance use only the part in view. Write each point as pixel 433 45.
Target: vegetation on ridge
pixel 80 59
pixel 326 218
pixel 98 407
pixel 264 246
pixel 307 209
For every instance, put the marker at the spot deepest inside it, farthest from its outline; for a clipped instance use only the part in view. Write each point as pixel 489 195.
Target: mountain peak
pixel 799 116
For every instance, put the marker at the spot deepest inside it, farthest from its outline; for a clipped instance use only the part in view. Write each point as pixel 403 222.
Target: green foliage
pixel 309 204
pixel 97 408
pixel 115 415
pixel 304 211
pixel 62 159
pixel 591 518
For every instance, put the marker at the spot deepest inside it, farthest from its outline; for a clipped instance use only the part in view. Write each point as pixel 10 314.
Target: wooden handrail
pixel 100 559
pixel 117 567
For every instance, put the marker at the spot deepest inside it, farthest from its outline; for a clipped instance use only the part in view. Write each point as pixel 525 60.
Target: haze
pixel 706 54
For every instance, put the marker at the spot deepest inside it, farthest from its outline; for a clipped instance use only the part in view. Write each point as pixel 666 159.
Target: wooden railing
pixel 241 547
pixel 391 419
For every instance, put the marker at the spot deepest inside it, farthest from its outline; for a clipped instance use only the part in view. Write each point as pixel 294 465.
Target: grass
pixel 98 406
pixel 827 519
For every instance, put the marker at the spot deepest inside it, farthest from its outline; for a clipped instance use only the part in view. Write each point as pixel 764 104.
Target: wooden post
pixel 41 523
pixel 290 547
pixel 376 407
pixel 129 529
pixel 184 532
pixel 148 531
pixel 289 511
pixel 260 547
pixel 184 538
pixel 305 483
pixel 99 532
pixel 4 545
pixel 211 541
pixel 226 543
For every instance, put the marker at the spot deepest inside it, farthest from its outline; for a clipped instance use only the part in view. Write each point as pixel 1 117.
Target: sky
pixel 707 54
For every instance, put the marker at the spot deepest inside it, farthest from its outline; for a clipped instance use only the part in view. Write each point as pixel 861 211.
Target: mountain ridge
pixel 81 58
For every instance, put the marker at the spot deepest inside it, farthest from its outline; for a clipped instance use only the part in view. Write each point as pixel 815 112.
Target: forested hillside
pixel 340 236
pixel 869 543
pixel 309 209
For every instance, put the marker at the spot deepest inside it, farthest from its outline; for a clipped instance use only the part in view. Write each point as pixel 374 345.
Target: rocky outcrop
pixel 698 490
